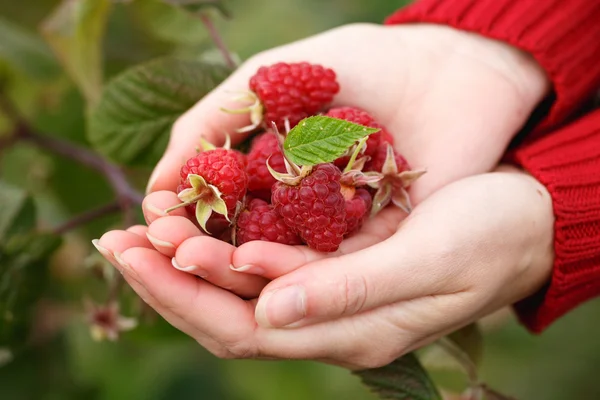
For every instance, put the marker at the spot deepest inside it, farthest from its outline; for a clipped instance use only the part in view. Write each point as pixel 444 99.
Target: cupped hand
pixel 453 100
pixel 472 247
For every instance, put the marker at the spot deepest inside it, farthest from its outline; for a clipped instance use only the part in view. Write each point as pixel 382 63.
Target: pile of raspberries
pixel 261 195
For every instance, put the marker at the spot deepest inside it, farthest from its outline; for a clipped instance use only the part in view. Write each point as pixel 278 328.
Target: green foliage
pixel 23 265
pixel 403 379
pixel 26 52
pixel 132 121
pixel 199 6
pixel 322 139
pixel 75 31
pixel 169 23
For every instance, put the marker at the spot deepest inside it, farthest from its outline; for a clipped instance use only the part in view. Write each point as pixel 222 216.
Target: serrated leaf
pixel 23 272
pixel 321 139
pixel 169 23
pixel 17 213
pixel 198 6
pixel 132 122
pixel 403 379
pixel 26 52
pixel 75 31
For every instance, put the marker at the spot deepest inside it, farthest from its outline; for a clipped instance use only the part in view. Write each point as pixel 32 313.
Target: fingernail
pixel 152 180
pixel 103 250
pixel 190 268
pixel 248 269
pixel 155 210
pixel 281 307
pixel 124 266
pixel 160 244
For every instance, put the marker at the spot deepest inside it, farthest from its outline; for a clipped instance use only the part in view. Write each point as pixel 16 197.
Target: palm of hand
pixel 428 88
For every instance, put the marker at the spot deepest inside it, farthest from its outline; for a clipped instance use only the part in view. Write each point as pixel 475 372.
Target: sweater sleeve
pixel 567 162
pixel 563 36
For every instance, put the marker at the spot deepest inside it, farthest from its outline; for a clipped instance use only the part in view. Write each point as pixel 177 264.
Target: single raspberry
pixel 357 210
pixel 361 117
pixel 213 180
pixel 378 159
pixel 260 221
pixel 264 147
pixel 315 207
pixel 288 91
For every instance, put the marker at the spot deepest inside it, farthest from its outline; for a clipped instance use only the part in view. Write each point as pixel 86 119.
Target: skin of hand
pixel 472 247
pixel 453 100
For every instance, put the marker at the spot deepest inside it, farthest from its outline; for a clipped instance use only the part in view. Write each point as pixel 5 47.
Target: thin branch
pixel 127 196
pixel 465 361
pixel 87 216
pixel 218 40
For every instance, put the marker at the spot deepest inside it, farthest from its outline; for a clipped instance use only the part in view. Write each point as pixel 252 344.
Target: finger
pixel 139 230
pixel 167 233
pixel 273 260
pixel 216 314
pixel 131 278
pixel 399 268
pixel 210 259
pixel 155 204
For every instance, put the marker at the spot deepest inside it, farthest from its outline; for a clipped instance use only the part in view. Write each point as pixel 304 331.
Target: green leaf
pixel 23 273
pixel 132 122
pixel 75 31
pixel 26 52
pixel 321 139
pixel 198 6
pixel 403 379
pixel 169 23
pixel 17 213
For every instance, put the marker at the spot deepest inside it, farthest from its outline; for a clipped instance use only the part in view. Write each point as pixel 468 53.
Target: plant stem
pixel 218 40
pixel 127 196
pixel 87 216
pixel 465 361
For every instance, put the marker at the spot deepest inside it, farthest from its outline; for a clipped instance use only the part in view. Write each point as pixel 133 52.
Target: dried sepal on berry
pixel 255 110
pixel 393 184
pixel 206 197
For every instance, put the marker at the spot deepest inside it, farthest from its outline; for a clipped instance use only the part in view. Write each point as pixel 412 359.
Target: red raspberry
pixel 293 91
pixel 260 221
pixel 376 163
pixel 357 210
pixel 260 179
pixel 361 117
pixel 315 208
pixel 221 168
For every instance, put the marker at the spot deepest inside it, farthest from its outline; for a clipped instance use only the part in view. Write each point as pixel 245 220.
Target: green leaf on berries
pixel 132 122
pixel 198 6
pixel 470 340
pixel 75 31
pixel 23 272
pixel 17 213
pixel 320 139
pixel 403 379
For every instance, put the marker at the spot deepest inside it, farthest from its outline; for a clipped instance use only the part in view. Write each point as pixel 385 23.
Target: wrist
pixel 511 64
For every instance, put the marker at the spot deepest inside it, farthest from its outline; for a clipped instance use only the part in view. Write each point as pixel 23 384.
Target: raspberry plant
pixel 128 119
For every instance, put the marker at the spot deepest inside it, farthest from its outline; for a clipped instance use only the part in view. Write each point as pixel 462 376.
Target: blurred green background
pixel 155 361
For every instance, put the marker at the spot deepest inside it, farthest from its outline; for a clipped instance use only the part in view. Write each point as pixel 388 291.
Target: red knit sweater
pixel 562 152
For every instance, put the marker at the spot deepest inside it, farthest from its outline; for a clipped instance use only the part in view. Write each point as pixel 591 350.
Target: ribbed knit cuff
pixel 567 162
pixel 562 35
